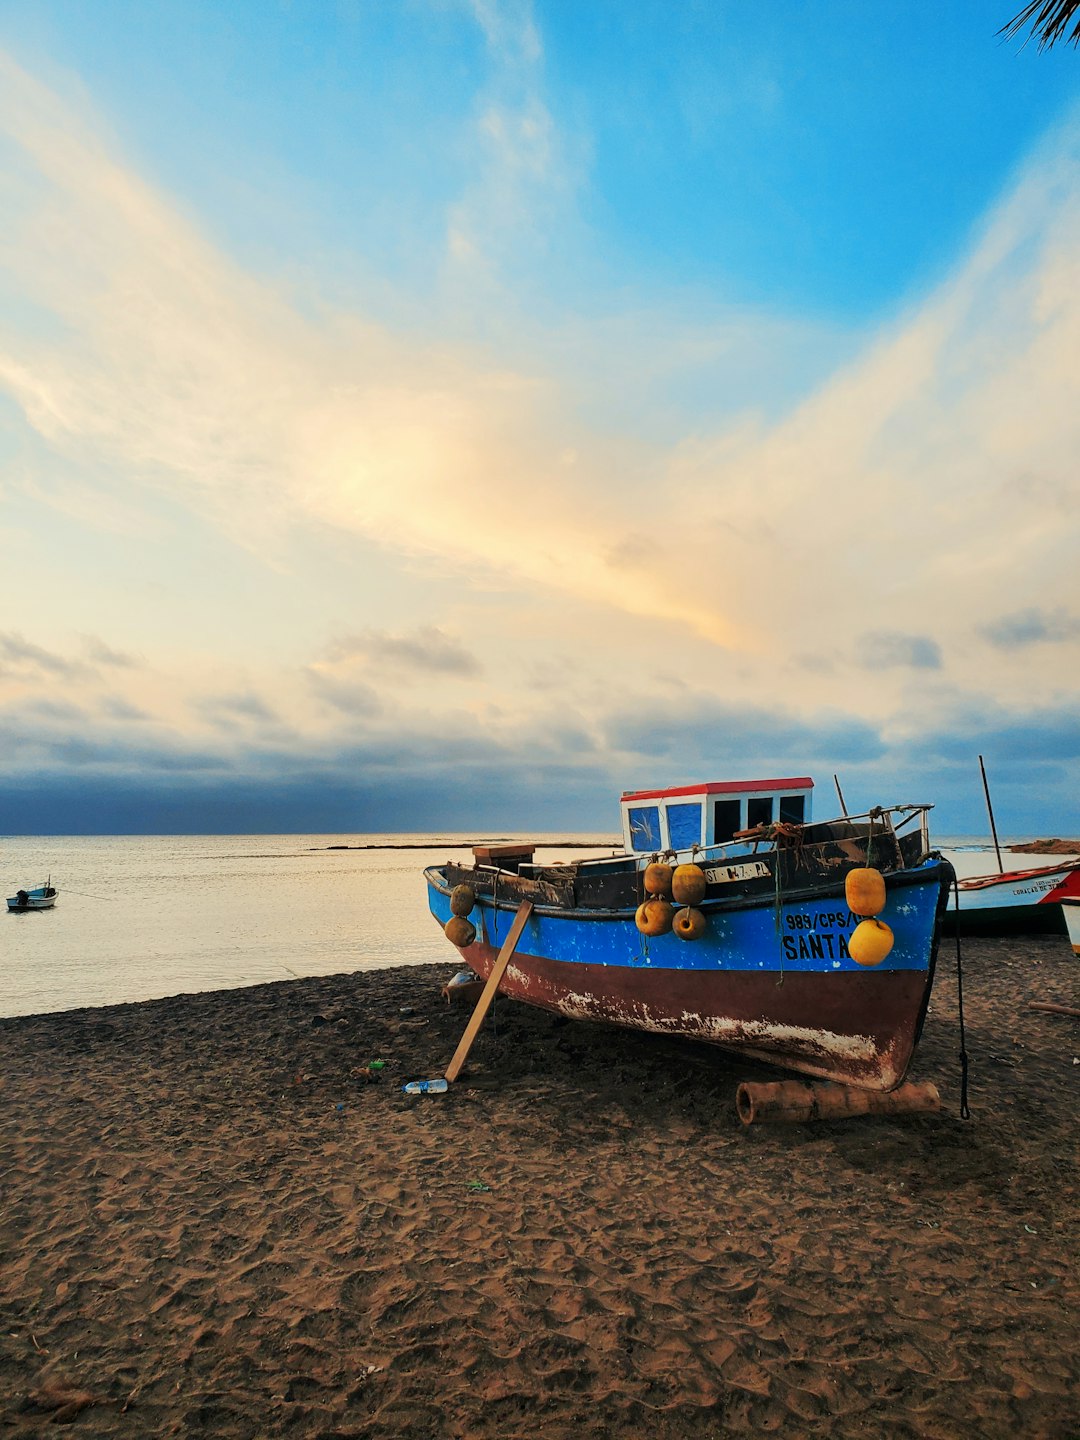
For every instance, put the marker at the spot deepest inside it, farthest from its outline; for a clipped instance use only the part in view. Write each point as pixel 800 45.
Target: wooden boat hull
pixel 1019 902
pixel 786 993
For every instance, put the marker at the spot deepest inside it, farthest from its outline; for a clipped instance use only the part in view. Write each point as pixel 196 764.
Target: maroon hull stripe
pixel 857 1029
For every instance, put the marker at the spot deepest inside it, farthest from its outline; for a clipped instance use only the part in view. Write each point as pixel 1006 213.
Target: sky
pixel 448 414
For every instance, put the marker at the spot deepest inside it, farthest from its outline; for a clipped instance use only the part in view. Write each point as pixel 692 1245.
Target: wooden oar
pixel 453 1070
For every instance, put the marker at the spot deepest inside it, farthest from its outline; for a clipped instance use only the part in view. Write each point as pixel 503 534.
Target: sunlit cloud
pixel 781 581
pixel 176 365
pixel 197 380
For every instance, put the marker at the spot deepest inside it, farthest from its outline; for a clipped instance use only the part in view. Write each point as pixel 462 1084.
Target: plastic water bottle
pixel 426 1087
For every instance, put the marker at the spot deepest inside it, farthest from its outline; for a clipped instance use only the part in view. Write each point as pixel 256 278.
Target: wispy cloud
pixel 24 657
pixel 1029 627
pixel 522 172
pixel 102 654
pixel 885 649
pixel 428 650
pixel 241 707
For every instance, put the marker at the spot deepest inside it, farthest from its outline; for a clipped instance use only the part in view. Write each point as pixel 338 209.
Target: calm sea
pixel 140 917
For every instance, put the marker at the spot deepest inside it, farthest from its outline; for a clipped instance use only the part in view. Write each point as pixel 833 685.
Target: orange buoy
pixel 689 924
pixel 459 931
pixel 870 942
pixel 658 879
pixel 864 891
pixel 688 884
pixel 654 917
pixel 462 899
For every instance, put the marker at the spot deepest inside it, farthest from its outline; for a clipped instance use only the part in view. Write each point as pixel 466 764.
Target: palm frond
pixel 1049 21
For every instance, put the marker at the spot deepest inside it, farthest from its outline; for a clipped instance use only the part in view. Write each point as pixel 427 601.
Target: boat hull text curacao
pixel 1016 902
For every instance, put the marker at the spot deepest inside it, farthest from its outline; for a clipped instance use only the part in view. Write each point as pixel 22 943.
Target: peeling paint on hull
pixel 803 1005
pixel 840 1027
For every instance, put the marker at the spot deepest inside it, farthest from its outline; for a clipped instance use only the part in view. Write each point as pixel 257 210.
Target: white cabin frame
pixel 724 807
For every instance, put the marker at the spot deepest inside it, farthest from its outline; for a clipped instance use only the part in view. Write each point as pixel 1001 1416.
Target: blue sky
pixel 454 412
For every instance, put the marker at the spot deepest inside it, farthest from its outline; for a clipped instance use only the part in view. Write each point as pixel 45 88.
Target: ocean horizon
pixel 141 917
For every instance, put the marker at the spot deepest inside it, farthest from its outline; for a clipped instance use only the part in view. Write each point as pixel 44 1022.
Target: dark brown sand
pixel 196 1239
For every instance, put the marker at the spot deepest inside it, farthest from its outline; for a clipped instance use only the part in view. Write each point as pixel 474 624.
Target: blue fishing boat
pixel 728 917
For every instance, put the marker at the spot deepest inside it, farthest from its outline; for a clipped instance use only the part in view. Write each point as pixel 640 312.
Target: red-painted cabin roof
pixel 722 787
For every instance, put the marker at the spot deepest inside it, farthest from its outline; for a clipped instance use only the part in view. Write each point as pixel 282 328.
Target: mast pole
pixel 839 794
pixel 990 812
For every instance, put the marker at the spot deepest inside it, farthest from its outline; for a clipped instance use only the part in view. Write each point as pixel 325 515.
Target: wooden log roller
pixel 791 1101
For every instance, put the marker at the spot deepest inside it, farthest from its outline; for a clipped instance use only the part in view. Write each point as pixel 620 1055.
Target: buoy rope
pixel 640 896
pixel 965 1110
pixel 778 906
pixel 84 896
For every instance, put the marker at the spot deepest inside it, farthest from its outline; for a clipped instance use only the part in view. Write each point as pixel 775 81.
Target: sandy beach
pixel 214 1222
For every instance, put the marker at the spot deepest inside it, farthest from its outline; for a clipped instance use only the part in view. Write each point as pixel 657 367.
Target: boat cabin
pixel 655 821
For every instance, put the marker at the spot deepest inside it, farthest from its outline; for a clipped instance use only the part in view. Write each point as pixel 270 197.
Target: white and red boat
pixel 1017 902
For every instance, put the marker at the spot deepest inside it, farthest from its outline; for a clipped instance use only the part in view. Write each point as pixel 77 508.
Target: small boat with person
pixel 42 897
pixel 728 917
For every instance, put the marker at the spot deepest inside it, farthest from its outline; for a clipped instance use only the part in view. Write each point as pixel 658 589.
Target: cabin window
pixel 726 818
pixel 684 826
pixel 758 812
pixel 645 828
pixel 792 809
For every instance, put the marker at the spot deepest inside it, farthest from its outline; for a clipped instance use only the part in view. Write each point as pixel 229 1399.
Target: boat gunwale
pixel 895 879
pixel 1010 877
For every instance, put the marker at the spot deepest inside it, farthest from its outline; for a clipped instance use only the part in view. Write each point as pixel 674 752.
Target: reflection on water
pixel 140 917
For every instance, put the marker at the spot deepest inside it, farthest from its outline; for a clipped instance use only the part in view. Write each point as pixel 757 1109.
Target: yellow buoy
pixel 658 879
pixel 870 942
pixel 865 892
pixel 688 884
pixel 462 899
pixel 689 924
pixel 654 917
pixel 459 931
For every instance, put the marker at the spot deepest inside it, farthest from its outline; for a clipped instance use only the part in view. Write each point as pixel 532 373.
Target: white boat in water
pixel 43 897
